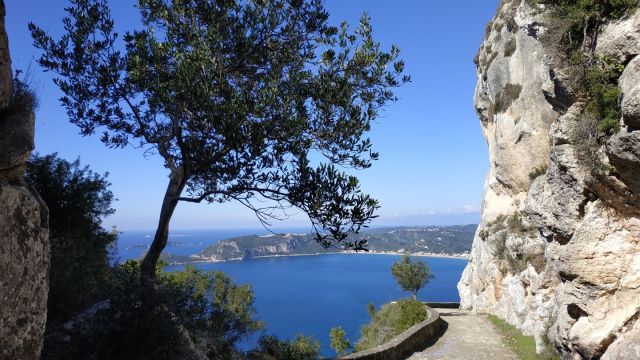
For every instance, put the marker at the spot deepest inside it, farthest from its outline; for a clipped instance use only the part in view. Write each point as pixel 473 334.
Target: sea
pixel 306 294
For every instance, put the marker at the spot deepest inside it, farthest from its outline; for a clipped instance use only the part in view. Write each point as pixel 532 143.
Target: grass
pixel 23 98
pixel 523 346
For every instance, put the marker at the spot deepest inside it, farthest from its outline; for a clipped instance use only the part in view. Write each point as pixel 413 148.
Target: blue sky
pixel 433 158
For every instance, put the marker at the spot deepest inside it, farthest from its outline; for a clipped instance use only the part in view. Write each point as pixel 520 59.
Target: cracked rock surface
pixel 557 252
pixel 24 235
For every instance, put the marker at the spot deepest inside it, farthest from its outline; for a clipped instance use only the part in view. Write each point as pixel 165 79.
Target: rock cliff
pixel 557 253
pixel 24 246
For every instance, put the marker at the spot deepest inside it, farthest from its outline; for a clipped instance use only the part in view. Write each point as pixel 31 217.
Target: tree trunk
pixel 176 184
pixel 415 295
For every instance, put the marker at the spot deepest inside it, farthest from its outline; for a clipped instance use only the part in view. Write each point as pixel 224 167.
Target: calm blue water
pixel 312 294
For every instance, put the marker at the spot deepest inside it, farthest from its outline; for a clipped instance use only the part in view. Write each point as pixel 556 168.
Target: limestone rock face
pixel 24 264
pixel 24 243
pixel 557 252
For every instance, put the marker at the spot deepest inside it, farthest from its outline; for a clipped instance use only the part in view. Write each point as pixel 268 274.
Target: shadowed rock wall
pixel 24 244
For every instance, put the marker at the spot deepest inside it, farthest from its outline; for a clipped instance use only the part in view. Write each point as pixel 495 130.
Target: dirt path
pixel 468 336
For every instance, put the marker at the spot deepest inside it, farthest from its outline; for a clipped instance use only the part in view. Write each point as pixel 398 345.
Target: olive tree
pixel 261 102
pixel 411 275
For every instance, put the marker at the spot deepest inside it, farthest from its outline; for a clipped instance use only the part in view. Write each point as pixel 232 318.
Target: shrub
pixel 78 199
pixel 582 15
pixel 516 225
pixel 602 113
pixel 601 85
pixel 191 306
pixel 517 262
pixel 371 309
pixel 211 305
pixel 192 309
pixel 381 328
pixel 302 348
pixel 609 126
pixel 573 27
pixel 23 98
pixel 585 136
pixel 390 321
pixel 339 341
pixel 487 29
pixel 411 313
pixel 512 26
pixel 539 171
pixel 501 227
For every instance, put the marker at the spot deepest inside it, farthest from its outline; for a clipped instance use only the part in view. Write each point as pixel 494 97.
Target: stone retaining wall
pixel 403 345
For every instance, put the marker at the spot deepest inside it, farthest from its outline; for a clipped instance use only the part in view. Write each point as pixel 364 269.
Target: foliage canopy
pixel 411 275
pixel 339 341
pixel 78 199
pixel 194 309
pixel 301 348
pixel 237 97
pixel 390 321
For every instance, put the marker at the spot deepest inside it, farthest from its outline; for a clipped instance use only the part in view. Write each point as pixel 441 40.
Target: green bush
pixel 78 199
pixel 411 313
pixel 573 18
pixel 609 126
pixel 23 98
pixel 190 307
pixel 573 26
pixel 390 321
pixel 516 225
pixel 339 342
pixel 211 305
pixel 537 172
pixel 302 348
pixel 381 328
pixel 601 85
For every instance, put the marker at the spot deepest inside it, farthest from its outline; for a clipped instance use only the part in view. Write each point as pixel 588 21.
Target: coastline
pixel 460 256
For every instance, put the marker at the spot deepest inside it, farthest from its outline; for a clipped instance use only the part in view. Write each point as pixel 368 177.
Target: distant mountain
pixel 429 240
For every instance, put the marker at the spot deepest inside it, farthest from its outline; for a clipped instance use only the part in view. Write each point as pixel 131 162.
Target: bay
pixel 311 294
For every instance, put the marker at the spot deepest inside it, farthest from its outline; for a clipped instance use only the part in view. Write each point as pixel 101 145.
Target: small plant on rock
pixel 537 172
